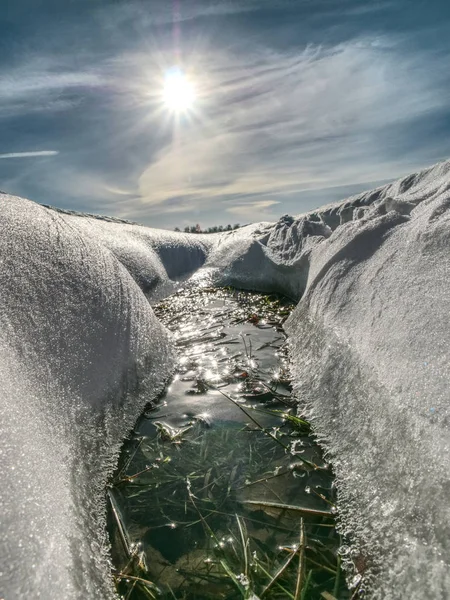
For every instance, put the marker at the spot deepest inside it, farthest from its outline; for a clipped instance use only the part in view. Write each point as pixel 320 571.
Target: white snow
pixel 76 335
pixel 155 258
pixel 369 339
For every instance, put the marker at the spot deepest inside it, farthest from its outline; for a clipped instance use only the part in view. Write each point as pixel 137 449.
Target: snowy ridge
pixel 77 336
pixel 285 249
pixel 81 352
pixel 155 258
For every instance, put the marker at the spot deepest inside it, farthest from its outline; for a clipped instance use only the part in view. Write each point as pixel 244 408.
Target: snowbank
pixel 80 353
pixel 370 341
pixel 370 346
pixel 155 258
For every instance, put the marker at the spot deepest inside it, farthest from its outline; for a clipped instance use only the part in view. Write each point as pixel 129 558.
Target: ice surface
pixel 370 340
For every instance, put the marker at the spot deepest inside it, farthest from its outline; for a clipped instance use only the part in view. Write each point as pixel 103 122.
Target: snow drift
pixel 81 352
pixel 77 336
pixel 370 343
pixel 156 259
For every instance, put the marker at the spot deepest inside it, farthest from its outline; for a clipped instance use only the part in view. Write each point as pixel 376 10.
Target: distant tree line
pixel 215 229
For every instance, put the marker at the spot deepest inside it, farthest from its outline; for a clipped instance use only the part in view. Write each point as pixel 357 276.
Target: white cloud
pixel 276 123
pixel 254 210
pixel 38 84
pixel 29 154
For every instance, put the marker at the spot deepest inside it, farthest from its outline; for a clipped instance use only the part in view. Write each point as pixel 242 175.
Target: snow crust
pixel 156 259
pixel 370 342
pixel 81 352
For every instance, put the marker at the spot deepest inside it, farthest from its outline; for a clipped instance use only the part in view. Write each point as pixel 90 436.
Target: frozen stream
pixel 221 492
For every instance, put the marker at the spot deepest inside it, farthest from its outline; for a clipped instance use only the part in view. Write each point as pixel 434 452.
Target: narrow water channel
pixel 221 491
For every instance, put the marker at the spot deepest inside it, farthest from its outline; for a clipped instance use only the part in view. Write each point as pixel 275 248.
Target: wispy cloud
pixel 281 123
pixel 251 210
pixel 167 12
pixel 277 126
pixel 45 84
pixel 29 154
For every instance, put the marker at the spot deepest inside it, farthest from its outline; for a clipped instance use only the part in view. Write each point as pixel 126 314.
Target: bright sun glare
pixel 178 93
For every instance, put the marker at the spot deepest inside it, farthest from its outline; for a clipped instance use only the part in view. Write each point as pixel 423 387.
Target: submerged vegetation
pixel 221 491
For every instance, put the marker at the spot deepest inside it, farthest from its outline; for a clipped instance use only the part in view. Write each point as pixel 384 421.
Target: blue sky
pixel 299 103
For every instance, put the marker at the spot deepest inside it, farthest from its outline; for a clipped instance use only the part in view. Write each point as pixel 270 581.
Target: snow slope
pixel 77 335
pixel 370 342
pixel 155 258
pixel 81 352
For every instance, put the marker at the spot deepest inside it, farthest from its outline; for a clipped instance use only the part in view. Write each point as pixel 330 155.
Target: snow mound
pixel 156 259
pixel 80 353
pixel 370 348
pixel 370 342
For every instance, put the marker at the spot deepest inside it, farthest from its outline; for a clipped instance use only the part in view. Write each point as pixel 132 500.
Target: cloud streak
pixel 29 154
pixel 46 84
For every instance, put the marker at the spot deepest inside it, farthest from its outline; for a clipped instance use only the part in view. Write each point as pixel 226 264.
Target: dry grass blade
pixel 283 589
pixel 301 561
pixel 307 511
pixel 266 431
pixel 278 574
pixel 254 421
pixel 146 582
pixel 245 541
pixel 129 461
pixel 120 527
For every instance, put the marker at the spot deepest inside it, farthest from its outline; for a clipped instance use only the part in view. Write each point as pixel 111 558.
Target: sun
pixel 178 91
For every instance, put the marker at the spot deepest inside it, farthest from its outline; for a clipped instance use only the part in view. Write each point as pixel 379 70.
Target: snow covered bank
pixel 370 341
pixel 155 258
pixel 370 344
pixel 77 335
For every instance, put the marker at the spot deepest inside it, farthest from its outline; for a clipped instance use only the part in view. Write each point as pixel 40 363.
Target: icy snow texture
pixel 155 258
pixel 370 342
pixel 76 337
pixel 369 337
